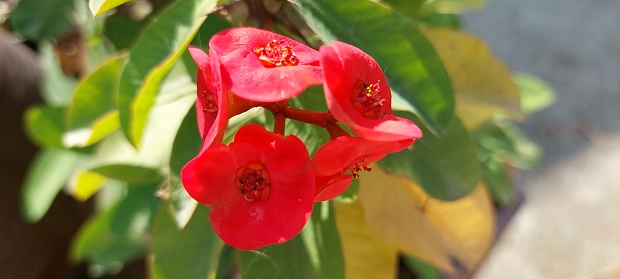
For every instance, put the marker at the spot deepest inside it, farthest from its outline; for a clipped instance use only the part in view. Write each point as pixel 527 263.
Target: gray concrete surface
pixel 569 225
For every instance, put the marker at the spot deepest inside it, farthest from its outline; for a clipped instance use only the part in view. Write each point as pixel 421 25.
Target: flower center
pixel 356 167
pixel 209 104
pixel 367 100
pixel 274 54
pixel 253 182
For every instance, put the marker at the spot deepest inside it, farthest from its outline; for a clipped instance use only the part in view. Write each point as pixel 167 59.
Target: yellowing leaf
pixel 86 184
pixel 482 84
pixel 434 231
pixel 98 7
pixel 365 254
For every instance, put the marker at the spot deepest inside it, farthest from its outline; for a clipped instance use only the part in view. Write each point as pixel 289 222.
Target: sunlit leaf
pixel 86 184
pixel 451 6
pixel 482 84
pixel 45 125
pixel 322 243
pixel 447 168
pixel 366 255
pixel 37 21
pixel 46 176
pixel 114 237
pixel 415 73
pixel 506 143
pixel 190 253
pixel 151 58
pixel 434 231
pixel 98 7
pixel 92 114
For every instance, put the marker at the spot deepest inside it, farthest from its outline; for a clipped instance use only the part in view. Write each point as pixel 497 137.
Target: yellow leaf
pixel 365 254
pixel 434 231
pixel 85 184
pixel 482 84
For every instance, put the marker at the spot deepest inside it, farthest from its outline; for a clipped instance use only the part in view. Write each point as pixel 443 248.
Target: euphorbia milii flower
pixel 264 66
pixel 358 94
pixel 341 159
pixel 214 102
pixel 260 187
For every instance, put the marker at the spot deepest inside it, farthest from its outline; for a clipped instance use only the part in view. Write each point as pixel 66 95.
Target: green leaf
pixel 129 173
pixel 414 71
pixel 408 8
pixel 451 6
pixel 45 125
pixel 118 235
pixel 98 7
pixel 314 253
pixel 447 168
pixel 421 269
pixel 192 252
pixel 535 93
pixel 37 21
pixel 152 56
pixel 122 31
pixel 504 142
pixel 92 114
pixel 46 176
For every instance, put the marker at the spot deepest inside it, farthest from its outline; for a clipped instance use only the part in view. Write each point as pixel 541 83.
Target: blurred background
pixel 569 223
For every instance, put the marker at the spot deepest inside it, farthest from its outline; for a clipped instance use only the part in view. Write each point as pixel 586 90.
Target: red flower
pixel 260 187
pixel 263 66
pixel 214 102
pixel 341 159
pixel 358 95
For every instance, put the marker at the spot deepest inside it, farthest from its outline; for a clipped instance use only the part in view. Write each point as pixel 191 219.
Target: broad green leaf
pixel 114 237
pixel 535 93
pixel 190 253
pixel 447 168
pixel 151 58
pixel 98 7
pixel 314 253
pixel 407 8
pixel 129 173
pixel 415 73
pixel 366 255
pixel 57 89
pixel 46 176
pixel 434 231
pixel 92 114
pixel 122 31
pixel 482 84
pixel 37 21
pixel 421 269
pixel 45 125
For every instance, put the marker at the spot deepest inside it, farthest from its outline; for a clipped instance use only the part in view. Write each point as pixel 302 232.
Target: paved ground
pixel 569 225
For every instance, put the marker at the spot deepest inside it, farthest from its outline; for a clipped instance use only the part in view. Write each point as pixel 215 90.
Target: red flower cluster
pixel 262 186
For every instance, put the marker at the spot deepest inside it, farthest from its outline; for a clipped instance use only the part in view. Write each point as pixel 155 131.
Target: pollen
pixel 355 167
pixel 253 182
pixel 276 54
pixel 368 100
